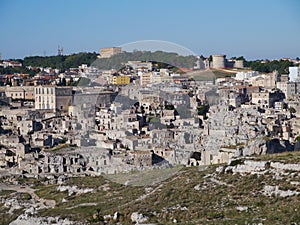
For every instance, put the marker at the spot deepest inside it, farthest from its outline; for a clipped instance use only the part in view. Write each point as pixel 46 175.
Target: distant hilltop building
pixel 238 63
pixel 220 62
pixel 109 52
pixel 201 64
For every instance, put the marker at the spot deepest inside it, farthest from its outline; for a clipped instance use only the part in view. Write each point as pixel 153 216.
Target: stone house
pixel 20 92
pixel 130 141
pixel 42 140
pixel 25 126
pixel 167 153
pixel 142 158
pixel 9 140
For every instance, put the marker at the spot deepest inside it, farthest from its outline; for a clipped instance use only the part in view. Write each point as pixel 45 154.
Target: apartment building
pixel 53 98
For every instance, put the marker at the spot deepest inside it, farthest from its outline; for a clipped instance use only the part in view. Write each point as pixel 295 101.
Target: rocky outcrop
pixel 138 218
pixel 28 218
pixel 274 190
pixel 251 166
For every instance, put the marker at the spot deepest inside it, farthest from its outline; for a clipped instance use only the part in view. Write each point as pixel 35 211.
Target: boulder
pixel 138 217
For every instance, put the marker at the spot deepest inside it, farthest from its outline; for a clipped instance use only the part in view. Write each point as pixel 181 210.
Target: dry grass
pixel 191 196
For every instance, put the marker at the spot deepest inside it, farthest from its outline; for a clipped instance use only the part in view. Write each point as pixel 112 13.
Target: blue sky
pixel 253 28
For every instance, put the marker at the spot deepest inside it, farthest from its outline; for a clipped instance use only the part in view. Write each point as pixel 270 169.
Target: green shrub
pixel 237 162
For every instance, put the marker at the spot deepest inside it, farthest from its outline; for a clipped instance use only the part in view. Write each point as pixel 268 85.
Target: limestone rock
pixel 138 217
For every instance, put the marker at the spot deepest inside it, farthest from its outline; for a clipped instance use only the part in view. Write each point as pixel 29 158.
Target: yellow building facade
pixel 120 80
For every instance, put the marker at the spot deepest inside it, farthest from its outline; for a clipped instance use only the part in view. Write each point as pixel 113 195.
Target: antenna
pixel 60 50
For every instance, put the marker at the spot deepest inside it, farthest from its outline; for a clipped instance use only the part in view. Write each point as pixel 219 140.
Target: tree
pixel 83 81
pixel 99 217
pixel 7 81
pixel 269 66
pixel 292 110
pixel 64 82
pixel 61 62
pixel 240 58
pixel 169 106
pixel 202 110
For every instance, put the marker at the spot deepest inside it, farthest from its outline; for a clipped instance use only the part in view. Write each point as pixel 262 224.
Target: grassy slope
pixel 212 202
pixel 5 217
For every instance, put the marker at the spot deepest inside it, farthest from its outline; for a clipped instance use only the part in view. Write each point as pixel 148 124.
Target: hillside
pixel 281 66
pixel 167 58
pixel 263 190
pixel 62 62
pixel 65 62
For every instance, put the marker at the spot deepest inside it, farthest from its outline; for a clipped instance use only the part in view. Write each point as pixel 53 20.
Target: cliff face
pixel 255 147
pixel 260 147
pixel 242 132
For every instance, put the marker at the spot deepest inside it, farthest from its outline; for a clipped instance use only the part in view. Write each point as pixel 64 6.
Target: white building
pixel 52 98
pixel 288 88
pixel 278 105
pixel 294 73
pixel 10 64
pixel 139 65
pixel 246 75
